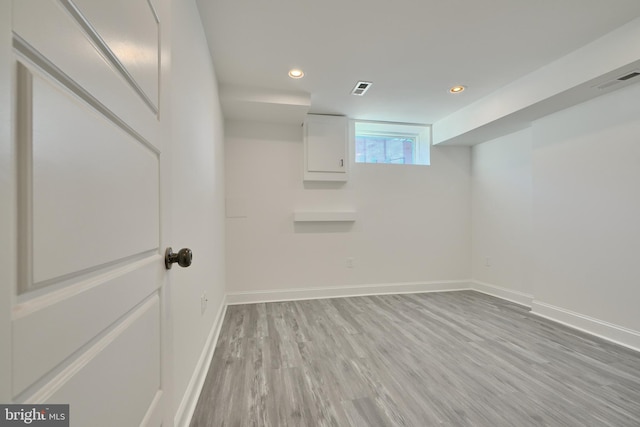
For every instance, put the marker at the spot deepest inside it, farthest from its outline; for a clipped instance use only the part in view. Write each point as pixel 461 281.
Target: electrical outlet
pixel 350 262
pixel 203 303
pixel 487 262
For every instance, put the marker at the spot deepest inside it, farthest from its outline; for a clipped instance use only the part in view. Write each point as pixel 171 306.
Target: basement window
pixel 391 143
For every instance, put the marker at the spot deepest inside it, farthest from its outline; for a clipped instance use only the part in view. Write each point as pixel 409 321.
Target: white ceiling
pixel 412 50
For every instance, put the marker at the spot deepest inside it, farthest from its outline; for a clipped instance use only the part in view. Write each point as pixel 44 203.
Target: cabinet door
pixel 326 148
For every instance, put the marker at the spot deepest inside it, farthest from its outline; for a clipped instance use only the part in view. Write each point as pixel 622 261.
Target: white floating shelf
pixel 342 216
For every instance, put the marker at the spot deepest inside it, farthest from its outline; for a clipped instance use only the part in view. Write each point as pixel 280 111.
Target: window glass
pixel 385 149
pixel 378 142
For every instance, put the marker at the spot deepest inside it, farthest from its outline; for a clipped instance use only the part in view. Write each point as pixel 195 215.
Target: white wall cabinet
pixel 326 148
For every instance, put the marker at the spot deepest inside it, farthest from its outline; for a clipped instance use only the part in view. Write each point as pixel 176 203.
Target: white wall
pixel 585 245
pixel 586 214
pixel 413 222
pixel 501 205
pixel 197 197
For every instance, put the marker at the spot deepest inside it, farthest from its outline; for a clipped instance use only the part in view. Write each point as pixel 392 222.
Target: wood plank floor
pixel 434 359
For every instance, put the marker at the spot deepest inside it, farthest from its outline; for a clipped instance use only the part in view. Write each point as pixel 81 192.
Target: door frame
pixel 163 9
pixel 8 247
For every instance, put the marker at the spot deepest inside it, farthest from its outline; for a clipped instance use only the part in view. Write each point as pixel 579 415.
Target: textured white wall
pixel 413 222
pixel 197 193
pixel 584 248
pixel 501 206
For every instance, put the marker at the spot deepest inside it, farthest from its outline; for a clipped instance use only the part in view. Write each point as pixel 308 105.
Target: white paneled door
pixel 82 175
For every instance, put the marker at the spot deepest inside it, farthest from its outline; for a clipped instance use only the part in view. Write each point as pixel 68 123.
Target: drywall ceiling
pixel 412 50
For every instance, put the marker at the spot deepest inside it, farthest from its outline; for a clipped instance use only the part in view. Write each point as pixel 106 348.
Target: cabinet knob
pixel 342 162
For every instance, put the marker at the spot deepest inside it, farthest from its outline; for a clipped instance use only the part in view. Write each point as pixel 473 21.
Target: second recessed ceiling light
pixel 296 73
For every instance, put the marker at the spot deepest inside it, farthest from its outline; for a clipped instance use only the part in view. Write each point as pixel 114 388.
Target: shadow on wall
pixel 323 185
pixel 322 227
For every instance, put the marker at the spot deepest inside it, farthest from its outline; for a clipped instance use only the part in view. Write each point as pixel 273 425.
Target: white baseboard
pixel 191 395
pixel 599 328
pixel 506 294
pixel 607 331
pixel 345 291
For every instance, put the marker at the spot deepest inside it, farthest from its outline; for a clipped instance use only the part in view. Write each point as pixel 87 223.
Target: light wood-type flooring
pixel 433 359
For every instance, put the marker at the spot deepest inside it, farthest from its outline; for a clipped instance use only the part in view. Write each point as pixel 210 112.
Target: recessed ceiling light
pixel 457 89
pixel 296 73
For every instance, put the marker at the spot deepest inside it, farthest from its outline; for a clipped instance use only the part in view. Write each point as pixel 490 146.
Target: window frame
pixel 420 133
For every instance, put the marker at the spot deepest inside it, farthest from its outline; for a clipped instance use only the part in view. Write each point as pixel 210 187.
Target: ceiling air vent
pixel 629 76
pixel 623 78
pixel 361 88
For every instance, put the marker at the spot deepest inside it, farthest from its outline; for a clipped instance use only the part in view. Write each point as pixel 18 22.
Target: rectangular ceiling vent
pixel 623 78
pixel 361 88
pixel 629 76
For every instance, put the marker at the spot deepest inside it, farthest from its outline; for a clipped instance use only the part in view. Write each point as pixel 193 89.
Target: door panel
pixel 107 389
pixel 118 292
pixel 98 170
pixel 85 317
pixel 130 29
pixel 72 57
